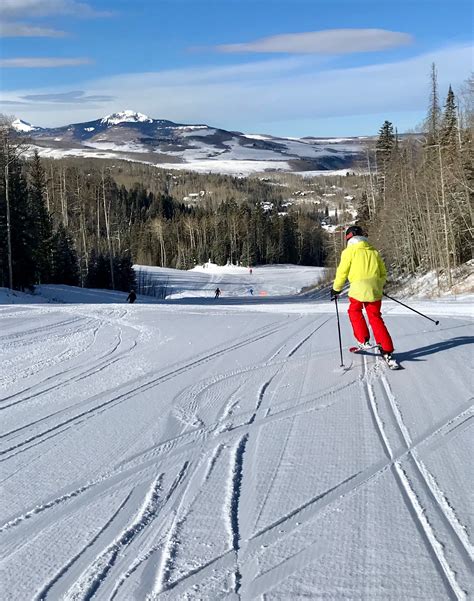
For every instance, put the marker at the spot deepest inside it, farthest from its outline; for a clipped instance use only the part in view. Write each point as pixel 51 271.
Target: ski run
pixel 201 449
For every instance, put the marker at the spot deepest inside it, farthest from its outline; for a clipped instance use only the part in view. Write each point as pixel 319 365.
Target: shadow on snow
pixel 437 347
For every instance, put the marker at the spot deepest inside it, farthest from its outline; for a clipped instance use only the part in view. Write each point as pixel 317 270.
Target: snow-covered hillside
pixel 137 137
pixel 202 450
pixel 23 126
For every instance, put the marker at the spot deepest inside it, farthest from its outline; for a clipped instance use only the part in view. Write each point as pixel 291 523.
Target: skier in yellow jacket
pixel 365 269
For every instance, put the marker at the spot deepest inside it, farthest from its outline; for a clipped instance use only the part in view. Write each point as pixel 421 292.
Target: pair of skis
pixel 391 362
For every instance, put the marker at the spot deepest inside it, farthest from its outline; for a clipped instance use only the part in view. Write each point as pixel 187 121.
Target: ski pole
pixel 339 331
pixel 411 309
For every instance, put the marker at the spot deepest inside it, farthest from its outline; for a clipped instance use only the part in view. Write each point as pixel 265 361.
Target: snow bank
pixel 14 297
pixel 432 285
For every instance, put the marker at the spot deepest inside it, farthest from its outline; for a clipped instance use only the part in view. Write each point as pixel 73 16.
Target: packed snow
pixel 232 280
pixel 204 449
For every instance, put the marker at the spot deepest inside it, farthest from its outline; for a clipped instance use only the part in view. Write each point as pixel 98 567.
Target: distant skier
pixel 132 297
pixel 366 271
pixel 250 271
pixel 217 293
pixel 251 291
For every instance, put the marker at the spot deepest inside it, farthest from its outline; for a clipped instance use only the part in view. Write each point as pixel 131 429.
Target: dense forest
pixel 32 250
pixel 86 223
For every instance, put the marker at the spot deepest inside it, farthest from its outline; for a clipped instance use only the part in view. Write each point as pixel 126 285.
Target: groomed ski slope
pixel 202 449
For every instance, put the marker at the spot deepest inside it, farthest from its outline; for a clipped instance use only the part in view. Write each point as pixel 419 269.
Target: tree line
pixel 418 202
pixel 32 250
pixel 247 233
pixel 85 223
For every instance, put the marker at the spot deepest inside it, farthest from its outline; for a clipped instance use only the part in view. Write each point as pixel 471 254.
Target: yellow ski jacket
pixel 364 267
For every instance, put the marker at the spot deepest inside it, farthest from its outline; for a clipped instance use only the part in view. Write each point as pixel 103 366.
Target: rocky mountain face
pixel 133 136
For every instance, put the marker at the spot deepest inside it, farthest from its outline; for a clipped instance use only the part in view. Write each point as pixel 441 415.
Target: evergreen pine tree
pixel 42 234
pixel 65 266
pixel 449 125
pixel 16 226
pixel 383 150
pixel 363 213
pixel 22 229
pixel 385 144
pixel 288 252
pixel 124 273
pixel 98 273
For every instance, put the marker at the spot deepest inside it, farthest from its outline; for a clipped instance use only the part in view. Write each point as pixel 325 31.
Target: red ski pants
pixel 361 331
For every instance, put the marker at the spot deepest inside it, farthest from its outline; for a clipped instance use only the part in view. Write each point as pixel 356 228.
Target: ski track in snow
pixel 43 594
pixel 437 495
pixel 89 583
pixel 413 501
pixel 234 501
pixel 196 425
pixel 124 396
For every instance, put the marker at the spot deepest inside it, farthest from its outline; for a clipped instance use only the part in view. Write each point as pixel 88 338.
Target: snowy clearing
pixel 236 167
pixel 202 450
pixel 267 280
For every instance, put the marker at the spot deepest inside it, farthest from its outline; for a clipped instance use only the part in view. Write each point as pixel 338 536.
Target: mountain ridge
pixel 131 135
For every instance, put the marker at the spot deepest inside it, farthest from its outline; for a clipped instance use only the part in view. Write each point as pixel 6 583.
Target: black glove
pixel 335 294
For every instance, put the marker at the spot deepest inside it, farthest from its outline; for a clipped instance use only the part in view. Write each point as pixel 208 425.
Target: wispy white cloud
pixel 73 97
pixel 329 41
pixel 13 102
pixel 13 10
pixel 18 9
pixel 254 70
pixel 23 30
pixel 38 63
pixel 296 89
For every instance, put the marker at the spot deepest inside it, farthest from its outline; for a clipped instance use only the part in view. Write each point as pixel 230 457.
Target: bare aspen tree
pixel 107 228
pixel 97 194
pixel 157 229
pixel 63 197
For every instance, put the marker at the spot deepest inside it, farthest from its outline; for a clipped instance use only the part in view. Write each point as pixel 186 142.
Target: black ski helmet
pixel 354 230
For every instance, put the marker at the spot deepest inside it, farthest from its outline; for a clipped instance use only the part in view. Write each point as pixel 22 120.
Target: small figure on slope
pixel 217 293
pixel 132 297
pixel 365 269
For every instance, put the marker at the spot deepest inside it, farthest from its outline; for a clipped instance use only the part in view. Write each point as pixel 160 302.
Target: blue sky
pixel 284 67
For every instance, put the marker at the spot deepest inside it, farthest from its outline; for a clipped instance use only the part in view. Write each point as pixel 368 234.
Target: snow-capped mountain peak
pixel 22 126
pixel 130 135
pixel 126 116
